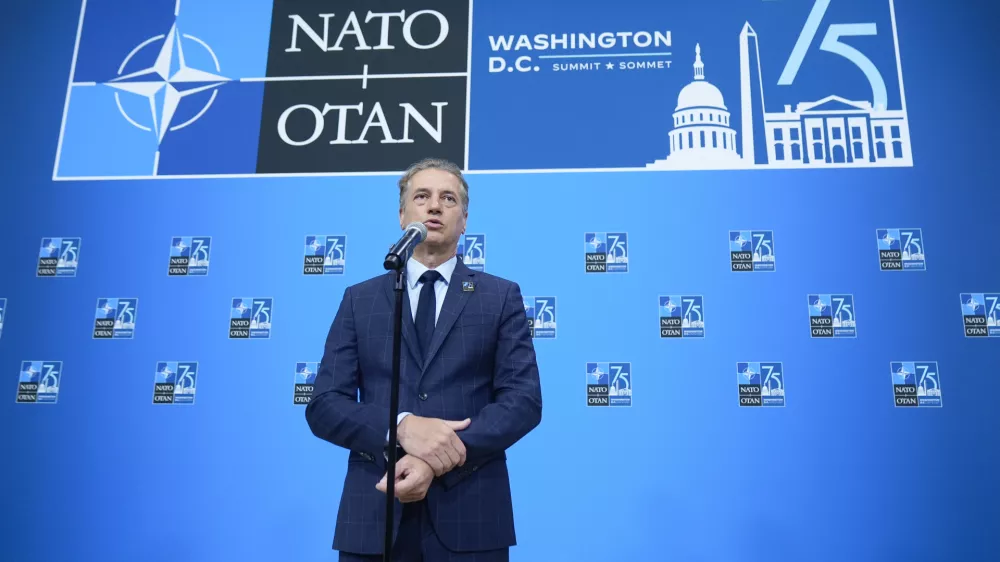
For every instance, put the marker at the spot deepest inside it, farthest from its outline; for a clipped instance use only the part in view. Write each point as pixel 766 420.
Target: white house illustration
pixel 832 131
pixel 835 130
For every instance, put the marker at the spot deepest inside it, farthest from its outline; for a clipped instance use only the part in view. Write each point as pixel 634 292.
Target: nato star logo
pixel 167 82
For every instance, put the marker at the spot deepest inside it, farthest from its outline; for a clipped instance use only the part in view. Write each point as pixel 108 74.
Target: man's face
pixel 434 198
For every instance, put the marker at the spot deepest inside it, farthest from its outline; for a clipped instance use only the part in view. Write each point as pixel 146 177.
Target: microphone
pixel 414 234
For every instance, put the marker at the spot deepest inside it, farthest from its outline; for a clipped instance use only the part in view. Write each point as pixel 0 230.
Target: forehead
pixel 434 180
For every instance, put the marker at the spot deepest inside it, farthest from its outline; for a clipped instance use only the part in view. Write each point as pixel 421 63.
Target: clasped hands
pixel 432 449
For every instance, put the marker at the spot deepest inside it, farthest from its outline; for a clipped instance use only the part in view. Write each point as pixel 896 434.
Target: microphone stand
pixel 395 260
pixel 397 332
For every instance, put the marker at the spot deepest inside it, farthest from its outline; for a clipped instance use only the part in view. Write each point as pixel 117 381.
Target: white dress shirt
pixel 414 270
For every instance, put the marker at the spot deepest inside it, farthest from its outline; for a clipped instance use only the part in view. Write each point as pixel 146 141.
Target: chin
pixel 440 241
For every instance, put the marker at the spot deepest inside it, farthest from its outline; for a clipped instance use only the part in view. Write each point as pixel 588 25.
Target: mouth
pixel 433 224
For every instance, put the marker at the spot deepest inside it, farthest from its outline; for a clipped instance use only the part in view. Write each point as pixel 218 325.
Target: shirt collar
pixel 415 269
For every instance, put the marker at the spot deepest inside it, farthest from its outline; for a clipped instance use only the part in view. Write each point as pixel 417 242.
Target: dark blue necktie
pixel 426 309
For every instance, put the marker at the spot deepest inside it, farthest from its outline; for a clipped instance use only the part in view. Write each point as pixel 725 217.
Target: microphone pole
pixel 395 260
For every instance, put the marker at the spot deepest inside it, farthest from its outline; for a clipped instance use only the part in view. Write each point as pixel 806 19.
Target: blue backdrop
pixel 840 467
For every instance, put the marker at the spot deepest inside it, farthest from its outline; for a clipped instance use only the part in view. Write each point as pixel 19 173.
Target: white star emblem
pixel 176 84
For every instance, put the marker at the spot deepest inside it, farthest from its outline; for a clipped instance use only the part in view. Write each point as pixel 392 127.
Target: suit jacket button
pixel 423 396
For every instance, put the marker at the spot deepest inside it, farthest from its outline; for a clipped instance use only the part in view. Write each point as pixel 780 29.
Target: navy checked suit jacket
pixel 481 365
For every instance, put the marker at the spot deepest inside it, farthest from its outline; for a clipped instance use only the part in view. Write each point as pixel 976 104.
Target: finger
pixel 459 449
pixel 439 463
pixel 432 461
pixel 441 466
pixel 404 487
pixel 454 456
pixel 415 490
pixel 458 425
pixel 382 485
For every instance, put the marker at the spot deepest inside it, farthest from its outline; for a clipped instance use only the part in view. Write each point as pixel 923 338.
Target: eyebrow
pixel 446 191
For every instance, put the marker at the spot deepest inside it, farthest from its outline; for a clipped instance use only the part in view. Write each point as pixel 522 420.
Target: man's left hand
pixel 413 478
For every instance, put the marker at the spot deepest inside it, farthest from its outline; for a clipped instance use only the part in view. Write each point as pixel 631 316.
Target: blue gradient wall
pixel 685 473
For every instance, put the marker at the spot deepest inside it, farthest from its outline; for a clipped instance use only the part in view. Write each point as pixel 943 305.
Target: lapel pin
pixel 468 286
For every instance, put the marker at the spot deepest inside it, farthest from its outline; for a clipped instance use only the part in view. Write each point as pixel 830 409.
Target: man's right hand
pixel 434 441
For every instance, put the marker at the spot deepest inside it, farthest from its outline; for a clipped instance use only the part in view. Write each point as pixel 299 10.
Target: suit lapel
pixel 409 331
pixel 454 301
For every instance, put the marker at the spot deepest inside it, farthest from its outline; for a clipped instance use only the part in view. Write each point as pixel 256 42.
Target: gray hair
pixel 433 164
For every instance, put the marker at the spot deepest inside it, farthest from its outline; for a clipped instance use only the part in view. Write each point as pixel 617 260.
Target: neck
pixel 432 257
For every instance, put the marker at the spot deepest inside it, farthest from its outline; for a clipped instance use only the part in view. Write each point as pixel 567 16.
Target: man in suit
pixel 469 389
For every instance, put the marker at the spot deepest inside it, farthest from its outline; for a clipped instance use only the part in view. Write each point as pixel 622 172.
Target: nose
pixel 434 205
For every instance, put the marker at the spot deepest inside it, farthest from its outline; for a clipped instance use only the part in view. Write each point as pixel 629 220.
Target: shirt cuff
pixel 399 419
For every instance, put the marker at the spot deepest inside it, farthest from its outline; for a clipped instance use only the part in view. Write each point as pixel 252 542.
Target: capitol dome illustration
pixel 702 137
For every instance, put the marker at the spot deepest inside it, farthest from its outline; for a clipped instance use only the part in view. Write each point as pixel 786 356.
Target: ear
pixel 401 226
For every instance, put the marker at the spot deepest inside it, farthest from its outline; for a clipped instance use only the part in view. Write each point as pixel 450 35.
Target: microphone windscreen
pixel 420 227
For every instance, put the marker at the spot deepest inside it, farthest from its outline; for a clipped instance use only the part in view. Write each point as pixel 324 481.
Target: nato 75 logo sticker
pixel 981 314
pixel 39 382
pixel 916 384
pixel 325 254
pixel 115 318
pixel 250 318
pixel 605 252
pixel 751 250
pixel 832 316
pixel 189 256
pixel 901 249
pixel 59 257
pixel 305 381
pixel 609 384
pixel 541 313
pixel 472 251
pixel 175 382
pixel 760 384
pixel 682 316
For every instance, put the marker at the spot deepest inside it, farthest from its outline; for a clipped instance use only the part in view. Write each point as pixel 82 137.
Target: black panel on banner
pixel 335 110
pixel 398 38
pixel 440 101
